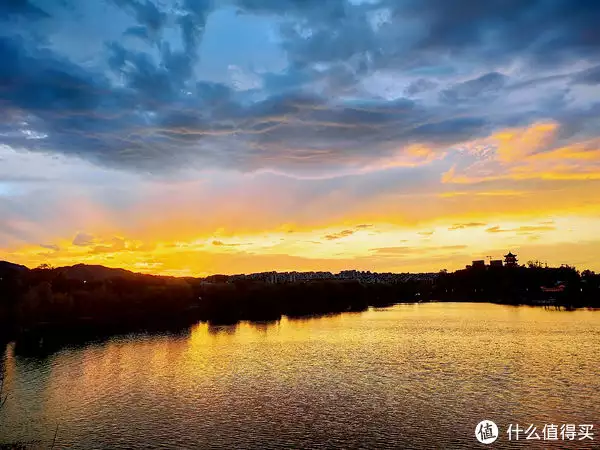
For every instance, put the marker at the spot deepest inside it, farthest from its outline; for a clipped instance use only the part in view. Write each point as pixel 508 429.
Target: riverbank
pixel 108 310
pixel 47 307
pixel 47 338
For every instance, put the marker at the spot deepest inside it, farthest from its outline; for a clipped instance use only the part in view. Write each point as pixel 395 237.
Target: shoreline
pixel 41 307
pixel 54 337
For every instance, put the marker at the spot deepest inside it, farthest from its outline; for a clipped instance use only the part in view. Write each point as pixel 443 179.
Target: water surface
pixel 411 376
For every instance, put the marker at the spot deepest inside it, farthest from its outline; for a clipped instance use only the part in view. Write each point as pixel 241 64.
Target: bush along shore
pixel 45 307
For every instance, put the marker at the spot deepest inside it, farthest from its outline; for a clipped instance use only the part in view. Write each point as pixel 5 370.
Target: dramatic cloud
pixel 148 106
pixel 24 8
pixel 141 131
pixel 486 87
pixel 589 76
pixel 535 152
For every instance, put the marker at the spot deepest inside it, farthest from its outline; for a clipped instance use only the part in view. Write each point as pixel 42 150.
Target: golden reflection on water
pixel 408 376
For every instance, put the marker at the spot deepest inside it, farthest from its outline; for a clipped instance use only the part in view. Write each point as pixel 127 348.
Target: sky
pixel 195 137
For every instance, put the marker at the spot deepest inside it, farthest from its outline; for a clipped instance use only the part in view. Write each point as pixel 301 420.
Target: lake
pixel 410 376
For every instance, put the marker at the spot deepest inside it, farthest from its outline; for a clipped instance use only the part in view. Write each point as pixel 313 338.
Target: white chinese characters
pixel 551 432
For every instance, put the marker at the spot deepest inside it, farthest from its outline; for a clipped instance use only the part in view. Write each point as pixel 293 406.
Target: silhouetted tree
pixel 536 264
pixel 46 305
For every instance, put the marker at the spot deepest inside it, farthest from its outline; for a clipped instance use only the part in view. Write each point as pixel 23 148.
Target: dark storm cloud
pixel 589 76
pixel 38 81
pixel 484 87
pixel 145 122
pixel 193 23
pixel 420 85
pixel 326 9
pixel 450 130
pixel 138 31
pixel 150 111
pixel 146 13
pixel 542 32
pixel 25 8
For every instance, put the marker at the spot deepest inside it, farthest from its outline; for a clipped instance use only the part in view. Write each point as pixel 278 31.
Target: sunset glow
pixel 233 138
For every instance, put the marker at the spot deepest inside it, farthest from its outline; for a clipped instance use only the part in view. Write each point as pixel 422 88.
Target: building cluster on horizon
pixel 369 277
pixel 356 275
pixel 510 260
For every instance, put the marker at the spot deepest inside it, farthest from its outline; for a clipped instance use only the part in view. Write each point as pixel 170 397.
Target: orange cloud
pixel 460 226
pixel 412 156
pixel 522 229
pixel 497 193
pixel 398 251
pixel 530 153
pixel 515 144
pixel 340 235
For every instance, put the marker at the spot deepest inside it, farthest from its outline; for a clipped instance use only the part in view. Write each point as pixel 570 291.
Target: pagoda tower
pixel 510 260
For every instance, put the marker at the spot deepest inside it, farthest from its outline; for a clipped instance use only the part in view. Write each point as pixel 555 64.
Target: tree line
pixel 45 305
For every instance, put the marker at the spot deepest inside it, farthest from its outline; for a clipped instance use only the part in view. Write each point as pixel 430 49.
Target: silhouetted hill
pixel 6 266
pixel 78 272
pixel 84 272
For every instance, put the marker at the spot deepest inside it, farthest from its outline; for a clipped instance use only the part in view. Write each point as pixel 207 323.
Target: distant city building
pixel 496 263
pixel 362 276
pixel 478 264
pixel 554 289
pixel 510 260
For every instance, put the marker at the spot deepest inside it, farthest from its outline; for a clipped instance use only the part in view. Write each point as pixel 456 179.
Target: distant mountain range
pixel 6 266
pixel 77 272
pixel 94 272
